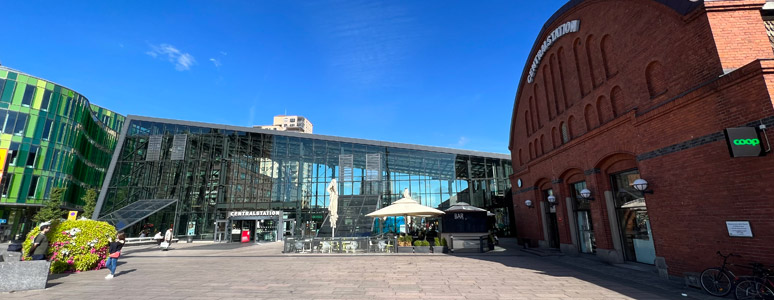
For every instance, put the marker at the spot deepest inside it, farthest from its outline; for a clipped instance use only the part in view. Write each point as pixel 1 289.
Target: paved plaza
pixel 248 271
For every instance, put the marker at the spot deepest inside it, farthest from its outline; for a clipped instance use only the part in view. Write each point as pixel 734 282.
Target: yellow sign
pixel 72 215
pixel 3 155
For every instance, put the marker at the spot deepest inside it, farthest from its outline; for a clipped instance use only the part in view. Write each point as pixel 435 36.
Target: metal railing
pixel 351 245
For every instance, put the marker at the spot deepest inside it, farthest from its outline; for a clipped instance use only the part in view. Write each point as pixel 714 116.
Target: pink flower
pixel 70 261
pixel 92 251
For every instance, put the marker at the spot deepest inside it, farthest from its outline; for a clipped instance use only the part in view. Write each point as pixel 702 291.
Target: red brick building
pixel 644 89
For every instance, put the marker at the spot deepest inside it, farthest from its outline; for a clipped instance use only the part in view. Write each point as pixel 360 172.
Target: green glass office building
pixel 51 136
pixel 211 180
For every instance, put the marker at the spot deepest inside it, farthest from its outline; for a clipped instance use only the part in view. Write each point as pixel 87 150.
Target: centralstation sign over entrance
pixel 255 213
pixel 561 30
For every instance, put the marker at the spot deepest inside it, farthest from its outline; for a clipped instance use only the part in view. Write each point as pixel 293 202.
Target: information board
pixel 739 229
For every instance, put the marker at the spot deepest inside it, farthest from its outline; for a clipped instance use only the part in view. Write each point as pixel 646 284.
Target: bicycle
pixel 719 281
pixel 758 286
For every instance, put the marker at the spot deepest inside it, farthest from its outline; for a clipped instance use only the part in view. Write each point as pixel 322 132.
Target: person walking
pixel 115 253
pixel 39 248
pixel 168 238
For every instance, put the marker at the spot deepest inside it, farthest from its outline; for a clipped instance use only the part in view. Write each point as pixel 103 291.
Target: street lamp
pixel 586 194
pixel 642 186
pixel 552 200
pixel 528 203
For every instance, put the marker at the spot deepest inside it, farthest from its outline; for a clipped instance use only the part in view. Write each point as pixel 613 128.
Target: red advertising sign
pixel 245 236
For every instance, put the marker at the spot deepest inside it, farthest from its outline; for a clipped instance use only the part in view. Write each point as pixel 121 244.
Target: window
pixel 47 130
pixel 10 120
pixel 2 83
pixel 6 183
pixel 13 153
pixel 565 133
pixel 21 124
pixel 33 155
pixel 29 93
pixel 67 106
pixel 46 98
pixel 33 187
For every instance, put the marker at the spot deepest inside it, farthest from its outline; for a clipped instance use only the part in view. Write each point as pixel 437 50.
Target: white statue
pixel 406 193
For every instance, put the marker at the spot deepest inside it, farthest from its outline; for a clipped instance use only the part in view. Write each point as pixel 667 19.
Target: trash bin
pixel 189 239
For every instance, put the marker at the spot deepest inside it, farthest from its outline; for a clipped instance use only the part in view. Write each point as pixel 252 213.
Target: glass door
pixel 585 227
pixel 633 220
pixel 266 231
pixel 553 226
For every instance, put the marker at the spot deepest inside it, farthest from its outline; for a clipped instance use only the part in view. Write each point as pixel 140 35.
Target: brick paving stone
pixel 233 271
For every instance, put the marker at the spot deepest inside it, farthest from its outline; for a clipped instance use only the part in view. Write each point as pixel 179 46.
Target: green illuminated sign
pixel 753 142
pixel 743 142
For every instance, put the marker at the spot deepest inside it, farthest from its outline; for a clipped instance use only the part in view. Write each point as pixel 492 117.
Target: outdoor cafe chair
pixel 384 247
pixel 299 246
pixel 326 246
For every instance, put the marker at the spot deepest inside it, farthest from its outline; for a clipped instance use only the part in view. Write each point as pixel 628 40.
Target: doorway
pixel 584 225
pixel 553 225
pixel 633 220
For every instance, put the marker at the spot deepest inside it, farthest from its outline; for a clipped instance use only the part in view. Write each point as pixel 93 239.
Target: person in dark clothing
pixel 114 253
pixel 39 248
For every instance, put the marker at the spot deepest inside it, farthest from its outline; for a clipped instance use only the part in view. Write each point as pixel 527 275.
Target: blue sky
pixel 437 73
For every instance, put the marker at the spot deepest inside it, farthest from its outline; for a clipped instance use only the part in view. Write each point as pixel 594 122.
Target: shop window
pixel 29 94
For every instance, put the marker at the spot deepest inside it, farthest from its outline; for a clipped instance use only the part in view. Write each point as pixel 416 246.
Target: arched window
pixel 565 133
pixel 527 123
pixel 654 75
pixel 617 99
pixel 592 121
pixel 607 59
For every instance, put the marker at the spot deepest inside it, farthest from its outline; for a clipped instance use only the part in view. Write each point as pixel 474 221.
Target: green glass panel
pixel 12 75
pixel 3 74
pixel 49 86
pixel 57 89
pixel 33 130
pixel 32 81
pixel 17 96
pixel 22 78
pixel 8 91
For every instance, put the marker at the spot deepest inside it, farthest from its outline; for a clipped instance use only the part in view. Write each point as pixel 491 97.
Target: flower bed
pixel 75 245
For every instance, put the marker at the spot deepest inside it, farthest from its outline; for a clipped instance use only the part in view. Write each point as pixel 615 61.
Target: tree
pixel 90 200
pixel 53 210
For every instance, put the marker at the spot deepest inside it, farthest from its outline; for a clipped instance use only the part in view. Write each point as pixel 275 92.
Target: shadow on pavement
pixel 629 282
pixel 125 272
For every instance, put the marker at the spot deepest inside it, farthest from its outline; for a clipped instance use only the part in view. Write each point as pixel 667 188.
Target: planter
pixel 440 249
pixel 402 249
pixel 421 249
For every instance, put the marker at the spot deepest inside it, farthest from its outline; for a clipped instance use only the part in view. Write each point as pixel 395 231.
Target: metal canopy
pixel 135 212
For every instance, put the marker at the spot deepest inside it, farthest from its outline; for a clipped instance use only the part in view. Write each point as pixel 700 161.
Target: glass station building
pixel 50 137
pixel 212 181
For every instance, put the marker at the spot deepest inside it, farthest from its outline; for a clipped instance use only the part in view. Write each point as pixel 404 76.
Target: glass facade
pixel 53 138
pixel 212 170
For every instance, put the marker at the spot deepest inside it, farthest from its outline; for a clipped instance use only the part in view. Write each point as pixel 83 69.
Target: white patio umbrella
pixel 405 207
pixel 333 207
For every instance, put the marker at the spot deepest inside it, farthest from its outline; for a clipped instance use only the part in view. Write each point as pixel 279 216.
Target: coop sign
pixel 751 142
pixel 743 142
pixel 560 31
pixel 253 213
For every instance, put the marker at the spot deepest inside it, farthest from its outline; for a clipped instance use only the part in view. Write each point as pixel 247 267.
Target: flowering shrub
pixel 75 245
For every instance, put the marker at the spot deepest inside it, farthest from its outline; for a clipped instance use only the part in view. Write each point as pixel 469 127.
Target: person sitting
pixel 158 238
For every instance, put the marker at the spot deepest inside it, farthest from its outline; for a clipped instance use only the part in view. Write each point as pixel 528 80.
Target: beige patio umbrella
pixel 405 207
pixel 333 207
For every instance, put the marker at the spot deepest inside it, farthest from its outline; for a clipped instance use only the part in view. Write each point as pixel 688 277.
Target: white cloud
pixel 462 141
pixel 215 62
pixel 223 53
pixel 183 61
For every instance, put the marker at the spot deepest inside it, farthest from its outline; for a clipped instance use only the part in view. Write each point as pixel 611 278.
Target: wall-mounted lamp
pixel 586 194
pixel 528 203
pixel 552 200
pixel 642 186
